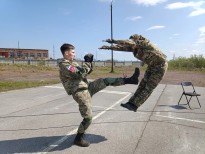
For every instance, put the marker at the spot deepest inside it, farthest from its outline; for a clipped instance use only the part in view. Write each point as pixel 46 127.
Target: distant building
pixel 17 53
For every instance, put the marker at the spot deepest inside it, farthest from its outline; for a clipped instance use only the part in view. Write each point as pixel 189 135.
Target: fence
pixel 30 62
pixel 54 63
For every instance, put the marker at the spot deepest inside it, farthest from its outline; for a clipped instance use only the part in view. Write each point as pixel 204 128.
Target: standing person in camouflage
pixel 73 78
pixel 148 54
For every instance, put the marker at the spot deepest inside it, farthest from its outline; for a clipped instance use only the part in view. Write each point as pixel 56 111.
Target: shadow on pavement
pixel 36 144
pixel 178 107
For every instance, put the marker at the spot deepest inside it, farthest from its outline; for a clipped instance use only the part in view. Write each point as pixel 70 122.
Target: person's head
pixel 137 37
pixel 68 51
pixel 139 40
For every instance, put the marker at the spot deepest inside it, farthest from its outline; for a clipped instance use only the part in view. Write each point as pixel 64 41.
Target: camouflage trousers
pixel 83 98
pixel 152 77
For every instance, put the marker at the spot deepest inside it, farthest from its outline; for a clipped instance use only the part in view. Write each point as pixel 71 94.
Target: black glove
pixel 88 57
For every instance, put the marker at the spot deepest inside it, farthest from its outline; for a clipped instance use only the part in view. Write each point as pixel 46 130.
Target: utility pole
pixel 112 69
pixel 53 52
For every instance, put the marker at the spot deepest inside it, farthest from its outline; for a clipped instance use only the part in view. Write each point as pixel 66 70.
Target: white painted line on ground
pixel 61 140
pixel 101 107
pixel 114 92
pixel 177 118
pixel 53 87
pixel 101 113
pixel 102 91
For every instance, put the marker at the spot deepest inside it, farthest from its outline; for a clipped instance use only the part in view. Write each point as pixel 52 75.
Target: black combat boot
pixel 80 141
pixel 130 106
pixel 134 78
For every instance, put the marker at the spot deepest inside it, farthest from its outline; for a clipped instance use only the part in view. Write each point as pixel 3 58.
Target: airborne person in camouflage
pixel 148 54
pixel 73 78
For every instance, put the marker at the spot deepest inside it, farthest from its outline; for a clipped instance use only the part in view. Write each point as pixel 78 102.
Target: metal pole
pixel 53 52
pixel 112 70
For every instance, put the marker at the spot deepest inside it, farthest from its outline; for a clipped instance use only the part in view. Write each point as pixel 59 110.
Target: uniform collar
pixel 65 60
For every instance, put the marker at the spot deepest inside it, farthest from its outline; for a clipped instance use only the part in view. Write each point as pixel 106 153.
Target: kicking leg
pixel 102 83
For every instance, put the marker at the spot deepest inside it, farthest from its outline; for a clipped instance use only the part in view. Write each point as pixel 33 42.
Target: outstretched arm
pixel 119 45
pixel 121 42
pixel 116 48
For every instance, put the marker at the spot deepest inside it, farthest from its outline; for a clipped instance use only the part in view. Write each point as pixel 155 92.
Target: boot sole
pixel 129 108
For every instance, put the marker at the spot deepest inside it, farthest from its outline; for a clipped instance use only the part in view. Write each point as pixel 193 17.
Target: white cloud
pixel 105 1
pixel 176 34
pixel 148 2
pixel 155 27
pixel 134 18
pixel 179 5
pixel 196 52
pixel 202 31
pixel 201 39
pixel 197 12
pixel 196 6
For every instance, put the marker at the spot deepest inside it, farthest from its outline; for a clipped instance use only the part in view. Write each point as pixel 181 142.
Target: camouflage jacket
pixel 73 76
pixel 149 54
pixel 141 47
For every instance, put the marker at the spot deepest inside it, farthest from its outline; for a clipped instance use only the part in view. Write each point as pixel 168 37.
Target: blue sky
pixel 176 27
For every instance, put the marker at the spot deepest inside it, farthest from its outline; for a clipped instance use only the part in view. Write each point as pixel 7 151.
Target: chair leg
pixel 198 101
pixel 180 99
pixel 190 98
pixel 188 101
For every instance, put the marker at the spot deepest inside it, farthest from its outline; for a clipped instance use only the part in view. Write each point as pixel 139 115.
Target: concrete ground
pixel 45 120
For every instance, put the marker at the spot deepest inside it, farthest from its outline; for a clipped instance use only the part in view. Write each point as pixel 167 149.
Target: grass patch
pixel 194 63
pixel 19 76
pixel 22 67
pixel 12 85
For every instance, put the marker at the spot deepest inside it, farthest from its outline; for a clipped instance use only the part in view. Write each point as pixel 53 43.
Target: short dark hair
pixel 66 47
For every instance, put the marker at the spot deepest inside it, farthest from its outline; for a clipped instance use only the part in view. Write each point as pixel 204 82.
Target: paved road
pixel 45 120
